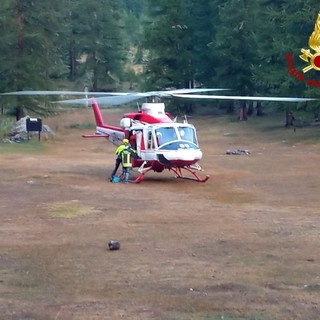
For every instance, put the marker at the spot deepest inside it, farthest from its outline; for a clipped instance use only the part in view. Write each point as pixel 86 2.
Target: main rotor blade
pixel 130 97
pixel 108 98
pixel 103 101
pixel 62 93
pixel 249 98
pixel 118 100
pixel 191 90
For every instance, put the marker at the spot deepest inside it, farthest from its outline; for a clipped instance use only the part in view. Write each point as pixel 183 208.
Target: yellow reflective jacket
pixel 119 149
pixel 126 158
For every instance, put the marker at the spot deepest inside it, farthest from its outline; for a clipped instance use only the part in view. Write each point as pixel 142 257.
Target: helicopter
pixel 161 143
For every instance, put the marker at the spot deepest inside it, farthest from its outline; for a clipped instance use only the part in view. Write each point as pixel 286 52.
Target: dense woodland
pixel 156 44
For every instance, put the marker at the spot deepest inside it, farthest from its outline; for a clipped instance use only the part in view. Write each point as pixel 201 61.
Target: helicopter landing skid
pixel 143 171
pixel 178 172
pixel 195 177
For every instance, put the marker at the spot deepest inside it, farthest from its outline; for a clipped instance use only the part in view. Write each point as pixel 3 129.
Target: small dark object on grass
pixel 114 245
pixel 238 151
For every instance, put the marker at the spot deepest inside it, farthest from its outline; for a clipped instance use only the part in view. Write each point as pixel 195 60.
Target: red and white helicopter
pixel 161 142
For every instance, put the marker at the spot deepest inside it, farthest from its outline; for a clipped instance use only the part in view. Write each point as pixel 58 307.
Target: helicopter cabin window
pixel 150 140
pixel 187 133
pixel 165 135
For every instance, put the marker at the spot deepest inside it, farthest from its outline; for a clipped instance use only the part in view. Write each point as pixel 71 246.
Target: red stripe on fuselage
pixel 147 118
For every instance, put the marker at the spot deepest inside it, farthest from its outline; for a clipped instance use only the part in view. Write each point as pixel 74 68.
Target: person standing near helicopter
pixel 118 152
pixel 124 154
pixel 126 161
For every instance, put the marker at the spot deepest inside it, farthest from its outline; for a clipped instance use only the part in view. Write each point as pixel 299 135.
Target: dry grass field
pixel 243 245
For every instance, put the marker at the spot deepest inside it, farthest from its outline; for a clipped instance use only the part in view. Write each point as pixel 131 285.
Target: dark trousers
pixel 116 167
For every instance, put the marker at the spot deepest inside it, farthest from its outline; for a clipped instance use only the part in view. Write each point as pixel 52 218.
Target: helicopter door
pixel 138 142
pixel 149 153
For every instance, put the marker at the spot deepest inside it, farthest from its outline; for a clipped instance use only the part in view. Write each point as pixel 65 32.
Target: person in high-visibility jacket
pixel 118 152
pixel 126 161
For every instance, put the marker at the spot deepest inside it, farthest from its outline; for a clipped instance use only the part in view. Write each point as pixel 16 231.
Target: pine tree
pixel 31 56
pixel 235 45
pixel 166 39
pixel 202 22
pixel 286 29
pixel 97 40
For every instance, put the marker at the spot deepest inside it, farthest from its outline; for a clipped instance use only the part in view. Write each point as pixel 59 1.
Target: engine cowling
pixel 125 123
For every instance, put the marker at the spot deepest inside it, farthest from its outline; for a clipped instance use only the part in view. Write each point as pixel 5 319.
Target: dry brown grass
pixel 244 245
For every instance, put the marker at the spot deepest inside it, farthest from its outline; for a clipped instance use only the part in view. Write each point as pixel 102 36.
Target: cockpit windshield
pixel 164 135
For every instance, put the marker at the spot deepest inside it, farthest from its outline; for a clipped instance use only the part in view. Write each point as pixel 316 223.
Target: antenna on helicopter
pixel 139 108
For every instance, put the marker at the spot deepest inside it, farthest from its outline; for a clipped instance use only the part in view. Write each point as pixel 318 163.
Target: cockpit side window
pixel 188 133
pixel 150 144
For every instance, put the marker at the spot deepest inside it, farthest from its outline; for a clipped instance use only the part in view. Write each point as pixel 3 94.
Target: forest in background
pixel 106 45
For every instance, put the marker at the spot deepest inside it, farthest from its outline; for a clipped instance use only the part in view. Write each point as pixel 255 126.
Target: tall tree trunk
pixel 259 109
pixel 19 113
pixel 250 108
pixel 20 29
pixel 230 107
pixel 95 72
pixel 243 111
pixel 189 108
pixel 73 64
pixel 289 118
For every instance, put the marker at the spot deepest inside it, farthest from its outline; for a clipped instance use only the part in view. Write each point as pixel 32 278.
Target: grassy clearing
pixel 82 126
pixel 230 317
pixel 68 210
pixel 221 317
pixel 248 257
pixel 31 146
pixel 269 128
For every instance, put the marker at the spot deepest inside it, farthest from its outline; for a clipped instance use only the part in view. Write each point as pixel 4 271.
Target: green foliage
pixel 287 28
pixel 236 44
pixel 6 124
pixel 167 41
pixel 45 41
pixel 98 41
pixel 30 54
pixel 134 6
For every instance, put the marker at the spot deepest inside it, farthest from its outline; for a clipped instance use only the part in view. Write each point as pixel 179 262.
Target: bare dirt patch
pixel 244 245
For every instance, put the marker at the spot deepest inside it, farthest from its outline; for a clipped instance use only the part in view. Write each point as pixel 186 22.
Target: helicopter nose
pixel 183 157
pixel 164 161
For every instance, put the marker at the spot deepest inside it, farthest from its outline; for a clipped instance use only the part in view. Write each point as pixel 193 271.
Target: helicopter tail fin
pixel 97 113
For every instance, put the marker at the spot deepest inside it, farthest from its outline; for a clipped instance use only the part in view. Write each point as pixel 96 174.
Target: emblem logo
pixel 314 43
